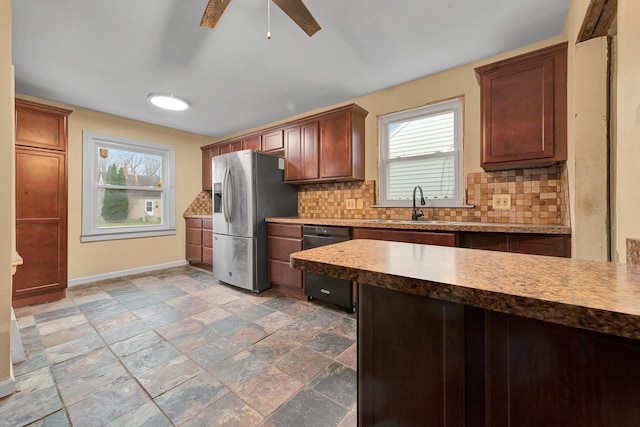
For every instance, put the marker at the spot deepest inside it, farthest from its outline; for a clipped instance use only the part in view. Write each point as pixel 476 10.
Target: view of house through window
pixel 422 146
pixel 128 184
pixel 125 190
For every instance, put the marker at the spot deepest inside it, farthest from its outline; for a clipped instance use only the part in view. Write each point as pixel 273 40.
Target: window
pixel 128 188
pixel 422 146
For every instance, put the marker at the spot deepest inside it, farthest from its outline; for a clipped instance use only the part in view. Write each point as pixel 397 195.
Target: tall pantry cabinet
pixel 41 203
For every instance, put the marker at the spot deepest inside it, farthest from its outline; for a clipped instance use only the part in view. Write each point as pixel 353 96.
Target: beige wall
pixel 627 168
pixel 587 139
pixel 445 85
pixel 6 185
pixel 95 258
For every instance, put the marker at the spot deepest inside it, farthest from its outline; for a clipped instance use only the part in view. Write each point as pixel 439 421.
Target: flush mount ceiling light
pixel 168 101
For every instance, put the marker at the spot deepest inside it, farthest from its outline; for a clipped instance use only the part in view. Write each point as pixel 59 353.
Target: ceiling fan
pixel 296 10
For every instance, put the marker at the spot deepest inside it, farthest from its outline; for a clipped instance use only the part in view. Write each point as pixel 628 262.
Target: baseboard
pixel 89 279
pixel 8 386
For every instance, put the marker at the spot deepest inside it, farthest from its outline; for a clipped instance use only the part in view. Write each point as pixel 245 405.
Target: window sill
pixel 126 235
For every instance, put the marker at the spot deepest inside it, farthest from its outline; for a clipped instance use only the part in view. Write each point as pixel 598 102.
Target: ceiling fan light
pixel 168 101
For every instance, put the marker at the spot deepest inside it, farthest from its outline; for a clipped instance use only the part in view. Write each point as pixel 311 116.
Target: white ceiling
pixel 107 55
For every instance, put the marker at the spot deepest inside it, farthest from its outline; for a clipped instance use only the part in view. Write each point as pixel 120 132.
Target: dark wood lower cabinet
pixel 532 244
pixel 199 242
pixel 425 362
pixel 544 374
pixel 283 240
pixel 41 226
pixel 411 360
pixel 423 237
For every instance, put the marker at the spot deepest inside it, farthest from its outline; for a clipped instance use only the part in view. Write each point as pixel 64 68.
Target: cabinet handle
pixel 324 291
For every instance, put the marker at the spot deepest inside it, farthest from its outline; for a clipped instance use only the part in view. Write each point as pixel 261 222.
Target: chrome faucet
pixel 417 213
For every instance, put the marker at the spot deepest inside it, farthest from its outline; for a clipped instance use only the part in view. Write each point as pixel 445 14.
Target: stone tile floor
pixel 175 347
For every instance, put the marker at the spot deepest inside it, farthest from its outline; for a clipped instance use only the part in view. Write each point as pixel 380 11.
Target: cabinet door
pixel 335 145
pixel 252 143
pixel 539 373
pixel 301 152
pixel 208 153
pixel 487 241
pixel 293 154
pixel 41 225
pixel 309 134
pixel 284 239
pixel 273 141
pixel 523 110
pixel 423 237
pixel 236 146
pixel 225 148
pixel 410 360
pixel 534 244
pixel 194 240
pixel 41 126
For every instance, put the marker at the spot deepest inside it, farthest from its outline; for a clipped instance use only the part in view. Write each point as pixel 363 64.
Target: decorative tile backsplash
pixel 201 205
pixel 538 196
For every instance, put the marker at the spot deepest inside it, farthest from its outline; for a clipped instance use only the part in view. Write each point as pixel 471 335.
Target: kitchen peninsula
pixel 452 336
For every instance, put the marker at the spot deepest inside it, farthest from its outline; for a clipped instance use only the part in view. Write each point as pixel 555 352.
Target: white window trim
pixel 455 105
pixel 91 141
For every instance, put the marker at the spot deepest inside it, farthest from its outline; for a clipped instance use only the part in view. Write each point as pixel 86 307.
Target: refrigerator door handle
pixel 227 192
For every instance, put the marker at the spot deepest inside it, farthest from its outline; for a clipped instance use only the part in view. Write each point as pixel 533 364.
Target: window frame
pixel 91 142
pixel 454 104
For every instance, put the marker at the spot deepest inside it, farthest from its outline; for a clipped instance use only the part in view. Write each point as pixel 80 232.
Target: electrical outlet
pixel 351 203
pixel 501 201
pixel 360 203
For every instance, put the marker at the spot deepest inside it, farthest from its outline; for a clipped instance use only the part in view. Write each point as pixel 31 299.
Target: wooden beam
pixel 598 19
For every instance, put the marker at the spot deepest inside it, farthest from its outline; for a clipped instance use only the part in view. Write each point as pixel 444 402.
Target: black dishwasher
pixel 325 288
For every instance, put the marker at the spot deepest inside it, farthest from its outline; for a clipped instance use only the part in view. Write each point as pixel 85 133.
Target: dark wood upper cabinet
pixel 523 110
pixel 301 152
pixel 41 126
pixel 339 154
pixel 273 141
pixel 342 145
pixel 208 153
pixel 253 142
pixel 41 203
pixel 236 146
pixel 323 147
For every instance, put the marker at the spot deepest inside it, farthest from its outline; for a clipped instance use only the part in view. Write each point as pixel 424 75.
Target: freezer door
pixel 234 260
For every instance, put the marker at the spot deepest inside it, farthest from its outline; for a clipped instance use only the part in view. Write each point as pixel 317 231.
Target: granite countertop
pixel 430 225
pixel 599 296
pixel 198 216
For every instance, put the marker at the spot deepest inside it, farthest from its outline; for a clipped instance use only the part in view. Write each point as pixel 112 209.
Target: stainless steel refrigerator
pixel 248 186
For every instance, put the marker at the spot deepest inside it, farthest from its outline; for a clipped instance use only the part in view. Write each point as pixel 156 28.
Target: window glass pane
pixel 126 208
pixel 422 146
pixel 127 188
pixel 422 136
pixel 435 175
pixel 129 168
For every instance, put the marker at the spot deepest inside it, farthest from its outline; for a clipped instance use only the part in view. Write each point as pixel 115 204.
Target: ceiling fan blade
pixel 300 15
pixel 213 12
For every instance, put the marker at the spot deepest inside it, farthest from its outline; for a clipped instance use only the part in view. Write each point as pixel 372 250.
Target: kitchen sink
pixel 409 221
